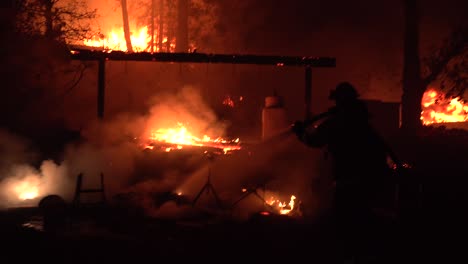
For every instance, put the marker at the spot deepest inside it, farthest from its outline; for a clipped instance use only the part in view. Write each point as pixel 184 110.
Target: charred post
pixel 101 88
pixel 308 92
pixel 90 55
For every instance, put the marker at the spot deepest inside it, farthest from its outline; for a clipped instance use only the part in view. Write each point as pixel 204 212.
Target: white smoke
pixel 111 147
pixel 24 184
pixel 187 107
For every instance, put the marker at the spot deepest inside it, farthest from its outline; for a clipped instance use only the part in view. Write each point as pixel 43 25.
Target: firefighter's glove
pixel 298 128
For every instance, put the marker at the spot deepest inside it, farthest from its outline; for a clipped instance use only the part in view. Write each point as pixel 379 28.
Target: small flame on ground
pixel 282 207
pixel 439 109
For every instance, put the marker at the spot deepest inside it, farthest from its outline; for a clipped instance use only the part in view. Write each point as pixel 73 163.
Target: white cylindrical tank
pixel 274 118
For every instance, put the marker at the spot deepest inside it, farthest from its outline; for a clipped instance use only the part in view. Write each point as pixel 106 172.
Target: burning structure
pixel 169 135
pixel 440 109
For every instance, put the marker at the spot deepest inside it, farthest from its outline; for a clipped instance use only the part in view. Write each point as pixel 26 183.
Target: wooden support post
pixel 308 92
pixel 79 181
pixel 101 87
pixel 103 192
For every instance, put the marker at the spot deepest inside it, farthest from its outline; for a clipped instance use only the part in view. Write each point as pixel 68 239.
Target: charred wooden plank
pixel 304 61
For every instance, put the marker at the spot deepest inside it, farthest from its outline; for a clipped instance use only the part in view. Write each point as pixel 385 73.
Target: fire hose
pixel 283 134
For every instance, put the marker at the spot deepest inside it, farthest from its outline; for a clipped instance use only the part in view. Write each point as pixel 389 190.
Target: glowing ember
pixel 179 137
pixel 232 101
pixel 228 101
pixel 140 39
pixel 439 109
pixel 282 207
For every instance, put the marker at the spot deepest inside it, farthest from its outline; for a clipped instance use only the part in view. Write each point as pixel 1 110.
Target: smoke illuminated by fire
pixel 27 189
pixel 25 184
pixel 182 120
pixel 439 109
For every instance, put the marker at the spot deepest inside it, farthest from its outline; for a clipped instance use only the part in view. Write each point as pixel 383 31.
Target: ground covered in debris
pixel 109 235
pixel 428 230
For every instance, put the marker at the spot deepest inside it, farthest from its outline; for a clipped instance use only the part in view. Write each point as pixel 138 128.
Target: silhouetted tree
pixel 413 88
pixel 161 25
pixel 36 71
pixel 126 25
pixel 62 20
pixel 194 27
pixel 182 25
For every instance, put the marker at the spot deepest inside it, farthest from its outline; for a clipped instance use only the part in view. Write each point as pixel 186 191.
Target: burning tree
pixel 159 26
pixel 448 65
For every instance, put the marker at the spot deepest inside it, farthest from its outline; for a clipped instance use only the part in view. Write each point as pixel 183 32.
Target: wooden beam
pixel 87 55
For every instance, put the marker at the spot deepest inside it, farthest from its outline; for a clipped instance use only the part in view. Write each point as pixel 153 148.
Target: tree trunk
pixel 413 87
pixel 182 26
pixel 126 26
pixel 161 25
pixel 49 19
pixel 153 10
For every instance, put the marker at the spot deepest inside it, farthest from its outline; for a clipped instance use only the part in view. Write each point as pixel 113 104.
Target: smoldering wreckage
pixel 187 185
pixel 191 189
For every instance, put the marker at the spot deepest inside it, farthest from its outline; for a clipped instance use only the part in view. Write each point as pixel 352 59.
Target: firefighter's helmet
pixel 343 91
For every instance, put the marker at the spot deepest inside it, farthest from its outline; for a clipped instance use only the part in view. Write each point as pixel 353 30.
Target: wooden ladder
pixel 79 190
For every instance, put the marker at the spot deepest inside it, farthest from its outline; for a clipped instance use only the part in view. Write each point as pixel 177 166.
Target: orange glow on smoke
pixel 439 109
pixel 180 136
pixel 140 38
pixel 26 189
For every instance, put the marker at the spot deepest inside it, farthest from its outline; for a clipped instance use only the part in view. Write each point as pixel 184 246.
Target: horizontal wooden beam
pixel 86 55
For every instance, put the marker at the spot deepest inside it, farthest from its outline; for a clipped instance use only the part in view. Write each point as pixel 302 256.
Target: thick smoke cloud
pixel 112 147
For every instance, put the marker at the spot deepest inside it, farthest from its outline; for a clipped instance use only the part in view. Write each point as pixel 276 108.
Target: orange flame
pixel 439 109
pixel 282 207
pixel 115 40
pixel 180 136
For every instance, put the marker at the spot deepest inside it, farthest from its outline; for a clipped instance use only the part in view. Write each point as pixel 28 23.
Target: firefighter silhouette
pixel 358 157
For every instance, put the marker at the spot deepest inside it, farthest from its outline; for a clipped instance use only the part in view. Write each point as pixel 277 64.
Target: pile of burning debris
pixel 169 139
